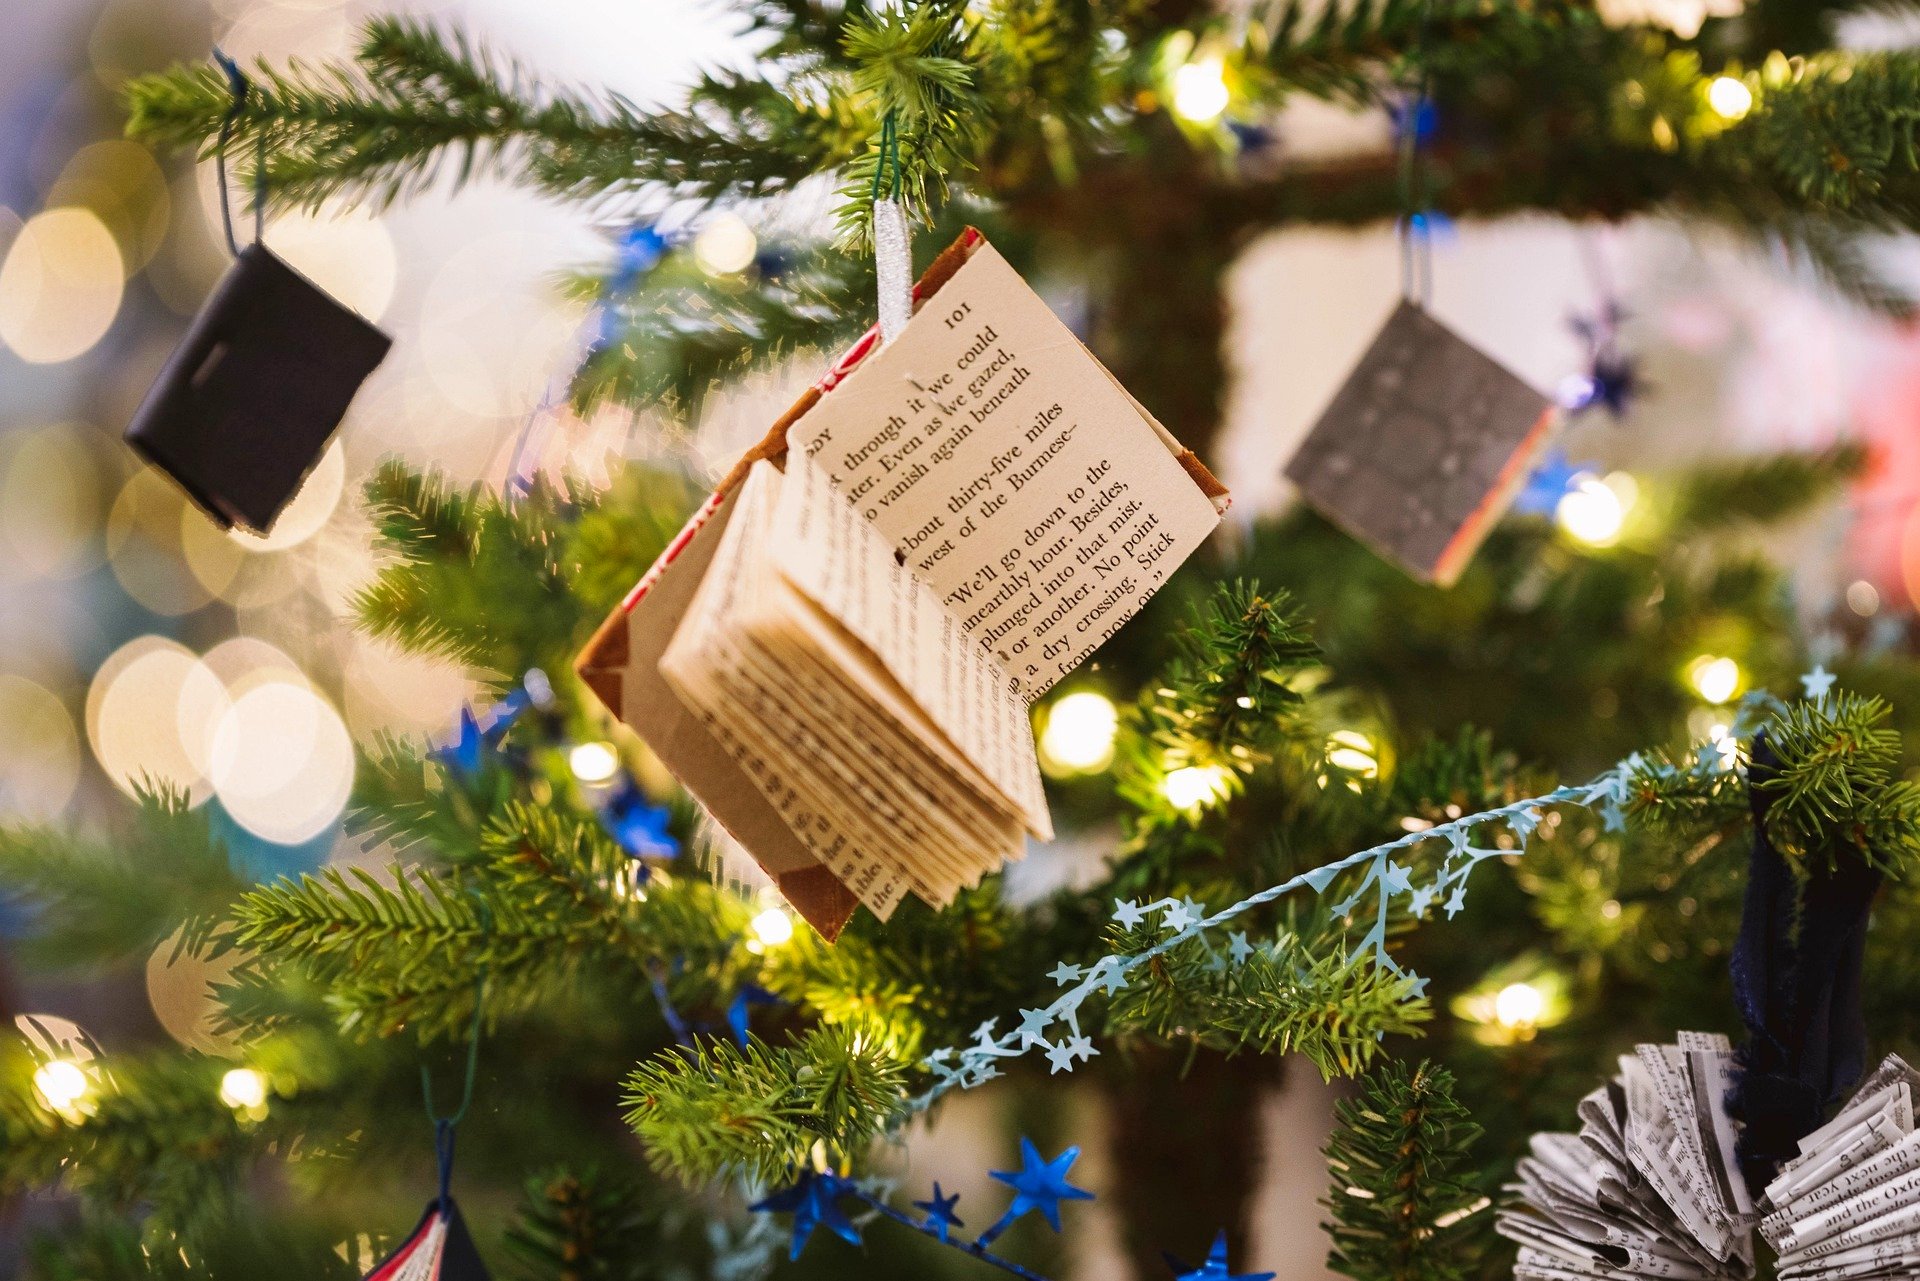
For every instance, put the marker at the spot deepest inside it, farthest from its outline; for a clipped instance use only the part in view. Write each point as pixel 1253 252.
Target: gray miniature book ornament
pixel 1423 447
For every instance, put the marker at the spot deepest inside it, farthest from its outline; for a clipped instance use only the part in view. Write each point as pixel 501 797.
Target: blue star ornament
pixel 464 754
pixel 1215 1268
pixel 638 825
pixel 940 1216
pixel 813 1202
pixel 1041 1185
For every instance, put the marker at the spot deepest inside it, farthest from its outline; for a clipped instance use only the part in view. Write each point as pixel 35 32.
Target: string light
pixel 1592 512
pixel 1715 679
pixel 725 246
pixel 772 927
pixel 594 762
pixel 1863 598
pixel 63 1087
pixel 1079 733
pixel 1354 752
pixel 1519 1006
pixel 1200 93
pixel 244 1090
pixel 1192 787
pixel 1729 98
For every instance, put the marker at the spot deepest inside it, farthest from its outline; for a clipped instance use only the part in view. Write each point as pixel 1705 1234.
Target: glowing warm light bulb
pixel 1353 752
pixel 594 762
pixel 725 245
pixel 1200 92
pixel 1591 512
pixel 1729 98
pixel 61 1085
pixel 773 927
pixel 1715 679
pixel 244 1090
pixel 1519 1005
pixel 1193 786
pixel 1079 733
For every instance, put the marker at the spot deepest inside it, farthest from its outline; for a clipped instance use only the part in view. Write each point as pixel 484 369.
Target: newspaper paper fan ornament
pixel 1649 1186
pixel 1847 1208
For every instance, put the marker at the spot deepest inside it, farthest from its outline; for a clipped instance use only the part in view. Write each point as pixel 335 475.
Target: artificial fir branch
pixel 758 1112
pixel 544 903
pixel 99 900
pixel 1402 1197
pixel 1835 789
pixel 588 1225
pixel 681 330
pixel 1222 704
pixel 1744 492
pixel 1302 995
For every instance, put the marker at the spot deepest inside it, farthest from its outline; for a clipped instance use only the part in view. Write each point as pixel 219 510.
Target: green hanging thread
pixel 887 167
pixel 473 1038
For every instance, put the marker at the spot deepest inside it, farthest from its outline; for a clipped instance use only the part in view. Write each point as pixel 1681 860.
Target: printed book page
pixel 703 654
pixel 844 565
pixel 1009 472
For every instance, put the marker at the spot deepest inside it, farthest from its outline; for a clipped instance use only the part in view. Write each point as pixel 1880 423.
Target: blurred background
pixel 137 640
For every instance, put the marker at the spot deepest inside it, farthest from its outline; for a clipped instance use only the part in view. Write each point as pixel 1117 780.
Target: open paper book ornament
pixel 244 407
pixel 836 656
pixel 438 1249
pixel 1423 447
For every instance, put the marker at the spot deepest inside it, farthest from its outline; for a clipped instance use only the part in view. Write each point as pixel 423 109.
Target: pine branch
pixel 99 902
pixel 1762 491
pixel 1836 787
pixel 1402 1198
pixel 150 1130
pixel 758 1112
pixel 591 1226
pixel 477 578
pixel 1223 704
pixel 909 65
pixel 543 908
pixel 1302 994
pixel 242 1245
pixel 683 331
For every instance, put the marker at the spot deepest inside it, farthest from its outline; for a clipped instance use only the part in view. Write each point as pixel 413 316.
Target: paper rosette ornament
pixel 1651 1186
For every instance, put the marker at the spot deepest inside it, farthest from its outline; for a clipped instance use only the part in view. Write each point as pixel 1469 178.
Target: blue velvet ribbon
pixel 1797 971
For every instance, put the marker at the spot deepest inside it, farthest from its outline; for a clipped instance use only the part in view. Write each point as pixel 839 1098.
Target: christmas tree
pixel 1297 759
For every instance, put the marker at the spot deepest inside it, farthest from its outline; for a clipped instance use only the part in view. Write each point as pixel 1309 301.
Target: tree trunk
pixel 1187 1153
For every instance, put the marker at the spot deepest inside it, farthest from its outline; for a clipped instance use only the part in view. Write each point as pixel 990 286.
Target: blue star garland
pixel 1037 1185
pixel 1215 1268
pixel 813 1200
pixel 940 1220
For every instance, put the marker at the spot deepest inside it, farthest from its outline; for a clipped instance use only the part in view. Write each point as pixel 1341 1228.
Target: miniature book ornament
pixel 244 407
pixel 836 655
pixel 1423 447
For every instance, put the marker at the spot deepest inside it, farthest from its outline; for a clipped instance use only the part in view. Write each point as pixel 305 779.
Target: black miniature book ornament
pixel 244 407
pixel 1423 447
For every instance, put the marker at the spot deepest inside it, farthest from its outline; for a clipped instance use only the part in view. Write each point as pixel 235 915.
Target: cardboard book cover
pixel 1013 355
pixel 1423 447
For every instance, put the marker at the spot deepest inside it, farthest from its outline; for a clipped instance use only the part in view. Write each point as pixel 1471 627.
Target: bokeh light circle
pixel 282 762
pixel 60 285
pixel 40 754
pixel 151 715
